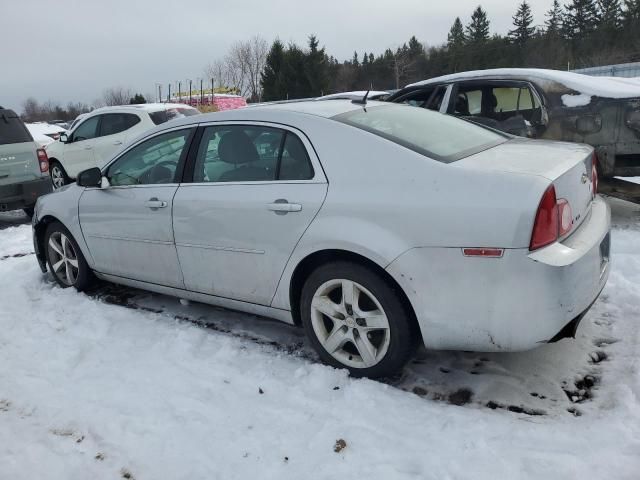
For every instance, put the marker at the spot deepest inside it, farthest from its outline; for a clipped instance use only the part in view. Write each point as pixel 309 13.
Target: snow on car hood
pixel 583 85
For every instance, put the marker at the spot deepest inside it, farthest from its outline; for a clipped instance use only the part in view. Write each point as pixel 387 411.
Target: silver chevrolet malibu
pixel 374 226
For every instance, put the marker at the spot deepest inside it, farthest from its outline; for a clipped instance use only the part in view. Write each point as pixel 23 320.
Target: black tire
pixel 84 277
pixel 57 174
pixel 28 211
pixel 403 338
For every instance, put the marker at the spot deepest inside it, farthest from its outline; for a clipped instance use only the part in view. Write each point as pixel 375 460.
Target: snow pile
pixel 580 100
pixel 93 390
pixel 606 87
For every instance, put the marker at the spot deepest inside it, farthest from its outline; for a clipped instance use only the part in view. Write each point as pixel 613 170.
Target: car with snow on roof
pixel 545 104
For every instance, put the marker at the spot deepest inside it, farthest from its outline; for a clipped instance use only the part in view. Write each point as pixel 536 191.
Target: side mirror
pixel 90 178
pixel 64 138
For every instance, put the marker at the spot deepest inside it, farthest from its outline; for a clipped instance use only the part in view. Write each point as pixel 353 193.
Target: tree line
pixel 34 111
pixel 578 34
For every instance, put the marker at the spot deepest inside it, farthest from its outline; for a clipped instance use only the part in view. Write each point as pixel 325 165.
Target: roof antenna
pixel 361 101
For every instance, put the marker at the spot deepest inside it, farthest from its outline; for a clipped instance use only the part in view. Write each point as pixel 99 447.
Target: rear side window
pixel 113 123
pixel 12 129
pixel 432 134
pixel 236 153
pixel 171 113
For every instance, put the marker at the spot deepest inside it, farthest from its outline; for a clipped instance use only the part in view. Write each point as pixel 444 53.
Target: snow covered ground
pixel 120 383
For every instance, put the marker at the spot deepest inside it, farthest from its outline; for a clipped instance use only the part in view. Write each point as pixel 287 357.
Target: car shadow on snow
pixel 13 219
pixel 552 379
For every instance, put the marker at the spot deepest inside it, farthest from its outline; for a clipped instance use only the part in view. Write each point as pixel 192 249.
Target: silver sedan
pixel 374 226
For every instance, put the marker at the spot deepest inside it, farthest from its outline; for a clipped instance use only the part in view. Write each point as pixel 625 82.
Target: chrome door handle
pixel 154 203
pixel 88 147
pixel 117 142
pixel 283 206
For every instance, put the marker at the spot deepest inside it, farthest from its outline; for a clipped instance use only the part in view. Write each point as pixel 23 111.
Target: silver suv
pixel 24 168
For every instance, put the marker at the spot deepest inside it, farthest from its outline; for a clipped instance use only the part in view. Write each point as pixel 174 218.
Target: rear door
pixel 18 160
pixel 127 226
pixel 255 190
pixel 112 135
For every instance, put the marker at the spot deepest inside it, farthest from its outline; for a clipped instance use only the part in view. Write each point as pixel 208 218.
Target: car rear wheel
pixel 59 177
pixel 356 320
pixel 65 259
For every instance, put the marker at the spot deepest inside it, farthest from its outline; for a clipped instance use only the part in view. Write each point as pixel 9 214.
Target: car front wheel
pixel 356 320
pixel 65 259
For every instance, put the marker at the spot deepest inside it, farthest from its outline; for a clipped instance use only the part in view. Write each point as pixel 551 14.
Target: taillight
pixel 545 227
pixel 564 216
pixel 554 219
pixel 594 175
pixel 43 160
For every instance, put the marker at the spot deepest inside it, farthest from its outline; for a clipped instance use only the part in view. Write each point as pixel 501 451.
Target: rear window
pixel 12 129
pixel 433 134
pixel 171 113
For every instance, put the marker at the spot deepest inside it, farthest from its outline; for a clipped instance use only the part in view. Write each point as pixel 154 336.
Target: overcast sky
pixel 72 50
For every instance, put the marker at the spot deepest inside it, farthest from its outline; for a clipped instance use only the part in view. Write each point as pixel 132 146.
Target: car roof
pixel 354 95
pixel 607 87
pixel 144 107
pixel 273 112
pixel 309 107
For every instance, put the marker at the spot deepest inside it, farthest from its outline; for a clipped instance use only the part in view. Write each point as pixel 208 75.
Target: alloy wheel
pixel 350 323
pixel 63 258
pixel 57 177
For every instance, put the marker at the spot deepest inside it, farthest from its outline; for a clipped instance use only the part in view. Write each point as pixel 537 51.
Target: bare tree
pixel 117 96
pixel 241 68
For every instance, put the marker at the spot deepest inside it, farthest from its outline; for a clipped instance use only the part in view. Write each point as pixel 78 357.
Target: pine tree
pixel 137 99
pixel 581 18
pixel 609 14
pixel 456 37
pixel 316 68
pixel 522 21
pixel 553 23
pixel 477 30
pixel 272 85
pixel 631 12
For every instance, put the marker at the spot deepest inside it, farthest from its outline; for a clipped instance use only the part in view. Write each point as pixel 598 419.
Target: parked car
pixel 101 133
pixel 44 133
pixel 374 226
pixel 23 166
pixel 548 104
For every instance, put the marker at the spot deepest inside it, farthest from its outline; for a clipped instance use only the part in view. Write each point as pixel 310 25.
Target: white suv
pixel 101 133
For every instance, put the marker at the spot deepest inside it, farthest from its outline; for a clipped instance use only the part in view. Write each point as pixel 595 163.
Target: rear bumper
pixel 23 195
pixel 511 303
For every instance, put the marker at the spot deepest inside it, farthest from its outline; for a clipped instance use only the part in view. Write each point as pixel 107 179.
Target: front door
pixel 254 193
pixel 127 226
pixel 78 151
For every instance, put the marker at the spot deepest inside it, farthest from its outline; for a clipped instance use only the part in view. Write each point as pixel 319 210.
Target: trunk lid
pixel 566 165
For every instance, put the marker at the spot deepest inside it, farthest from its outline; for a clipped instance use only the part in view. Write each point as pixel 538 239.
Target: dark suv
pixel 23 167
pixel 548 104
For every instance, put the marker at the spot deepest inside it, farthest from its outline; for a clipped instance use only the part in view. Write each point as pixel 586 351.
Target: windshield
pixel 12 130
pixel 432 134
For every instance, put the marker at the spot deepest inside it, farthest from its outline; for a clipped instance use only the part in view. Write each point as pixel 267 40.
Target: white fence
pixel 620 70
